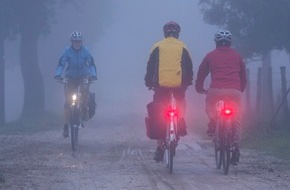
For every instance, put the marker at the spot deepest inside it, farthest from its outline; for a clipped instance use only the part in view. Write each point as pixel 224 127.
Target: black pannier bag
pixel 92 104
pixel 155 121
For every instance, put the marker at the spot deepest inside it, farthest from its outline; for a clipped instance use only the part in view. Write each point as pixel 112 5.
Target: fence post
pixel 259 91
pixel 270 88
pixel 284 90
pixel 248 98
pixel 2 83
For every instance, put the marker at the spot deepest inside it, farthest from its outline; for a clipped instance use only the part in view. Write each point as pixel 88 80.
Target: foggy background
pixel 120 51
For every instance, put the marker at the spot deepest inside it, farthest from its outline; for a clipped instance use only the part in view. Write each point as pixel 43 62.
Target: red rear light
pixel 171 113
pixel 228 112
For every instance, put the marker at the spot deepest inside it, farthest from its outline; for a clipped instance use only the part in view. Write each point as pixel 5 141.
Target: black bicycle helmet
pixel 171 29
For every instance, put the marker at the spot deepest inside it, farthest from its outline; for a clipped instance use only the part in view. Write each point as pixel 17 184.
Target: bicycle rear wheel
pixel 226 160
pixel 166 157
pixel 74 136
pixel 171 155
pixel 218 155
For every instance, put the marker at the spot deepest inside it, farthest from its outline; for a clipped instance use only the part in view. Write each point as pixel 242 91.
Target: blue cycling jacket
pixel 76 63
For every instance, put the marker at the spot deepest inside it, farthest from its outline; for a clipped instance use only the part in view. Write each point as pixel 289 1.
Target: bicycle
pixel 172 137
pixel 224 133
pixel 76 115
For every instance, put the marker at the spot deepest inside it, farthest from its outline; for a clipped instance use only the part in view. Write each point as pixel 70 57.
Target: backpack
pixel 92 104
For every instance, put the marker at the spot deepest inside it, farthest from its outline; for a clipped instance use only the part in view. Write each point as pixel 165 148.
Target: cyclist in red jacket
pixel 228 78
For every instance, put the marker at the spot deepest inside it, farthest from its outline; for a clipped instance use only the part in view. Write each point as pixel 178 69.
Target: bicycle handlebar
pixel 79 81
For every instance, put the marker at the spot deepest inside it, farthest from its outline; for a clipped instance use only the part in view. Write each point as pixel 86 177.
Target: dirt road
pixel 119 156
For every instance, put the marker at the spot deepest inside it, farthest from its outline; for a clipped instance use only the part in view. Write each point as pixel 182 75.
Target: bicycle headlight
pixel 74 97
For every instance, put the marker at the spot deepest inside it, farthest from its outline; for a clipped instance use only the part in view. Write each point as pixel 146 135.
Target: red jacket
pixel 226 67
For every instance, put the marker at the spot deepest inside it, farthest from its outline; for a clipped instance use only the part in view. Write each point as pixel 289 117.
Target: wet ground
pixel 119 156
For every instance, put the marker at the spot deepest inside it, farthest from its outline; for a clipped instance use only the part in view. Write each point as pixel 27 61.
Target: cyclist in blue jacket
pixel 76 63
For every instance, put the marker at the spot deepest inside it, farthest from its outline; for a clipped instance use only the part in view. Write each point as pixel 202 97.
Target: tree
pixel 7 23
pixel 34 18
pixel 258 27
pixel 30 19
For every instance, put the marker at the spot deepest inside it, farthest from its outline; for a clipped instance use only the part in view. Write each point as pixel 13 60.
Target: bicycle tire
pixel 166 157
pixel 171 155
pixel 74 137
pixel 218 160
pixel 227 158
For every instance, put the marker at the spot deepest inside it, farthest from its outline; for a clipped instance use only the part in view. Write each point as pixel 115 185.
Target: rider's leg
pixel 210 108
pixel 159 152
pixel 161 96
pixel 68 89
pixel 85 99
pixel 179 95
pixel 236 101
pixel 66 121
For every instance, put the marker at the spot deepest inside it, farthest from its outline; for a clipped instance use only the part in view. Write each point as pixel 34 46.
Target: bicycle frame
pixel 75 111
pixel 171 139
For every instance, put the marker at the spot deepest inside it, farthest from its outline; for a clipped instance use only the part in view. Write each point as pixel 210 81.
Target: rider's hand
pixel 58 77
pixel 148 84
pixel 92 78
pixel 151 88
pixel 201 90
pixel 205 91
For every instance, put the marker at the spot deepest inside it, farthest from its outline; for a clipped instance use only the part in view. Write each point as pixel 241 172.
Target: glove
pixel 148 84
pixel 58 77
pixel 200 89
pixel 93 78
pixel 243 87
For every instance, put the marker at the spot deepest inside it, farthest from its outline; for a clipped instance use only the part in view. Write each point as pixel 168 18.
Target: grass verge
pixel 29 125
pixel 275 140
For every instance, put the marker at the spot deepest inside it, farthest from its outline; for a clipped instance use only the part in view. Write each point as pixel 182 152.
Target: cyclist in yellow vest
pixel 169 68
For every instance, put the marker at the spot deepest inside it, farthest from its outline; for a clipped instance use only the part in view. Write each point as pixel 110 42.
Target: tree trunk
pixel 267 101
pixel 2 83
pixel 284 91
pixel 32 78
pixel 259 92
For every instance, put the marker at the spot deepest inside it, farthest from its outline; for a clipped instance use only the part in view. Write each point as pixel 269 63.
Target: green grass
pixel 29 125
pixel 275 141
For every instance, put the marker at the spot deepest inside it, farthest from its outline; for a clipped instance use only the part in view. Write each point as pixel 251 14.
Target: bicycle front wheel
pixel 74 136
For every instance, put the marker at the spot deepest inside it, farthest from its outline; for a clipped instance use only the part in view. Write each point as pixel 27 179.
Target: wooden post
pixel 284 90
pixel 259 91
pixel 270 88
pixel 2 83
pixel 248 99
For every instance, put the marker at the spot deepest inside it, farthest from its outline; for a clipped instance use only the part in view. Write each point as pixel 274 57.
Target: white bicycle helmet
pixel 223 35
pixel 76 35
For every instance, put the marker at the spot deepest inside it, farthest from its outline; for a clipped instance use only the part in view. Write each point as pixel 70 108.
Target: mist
pixel 121 50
